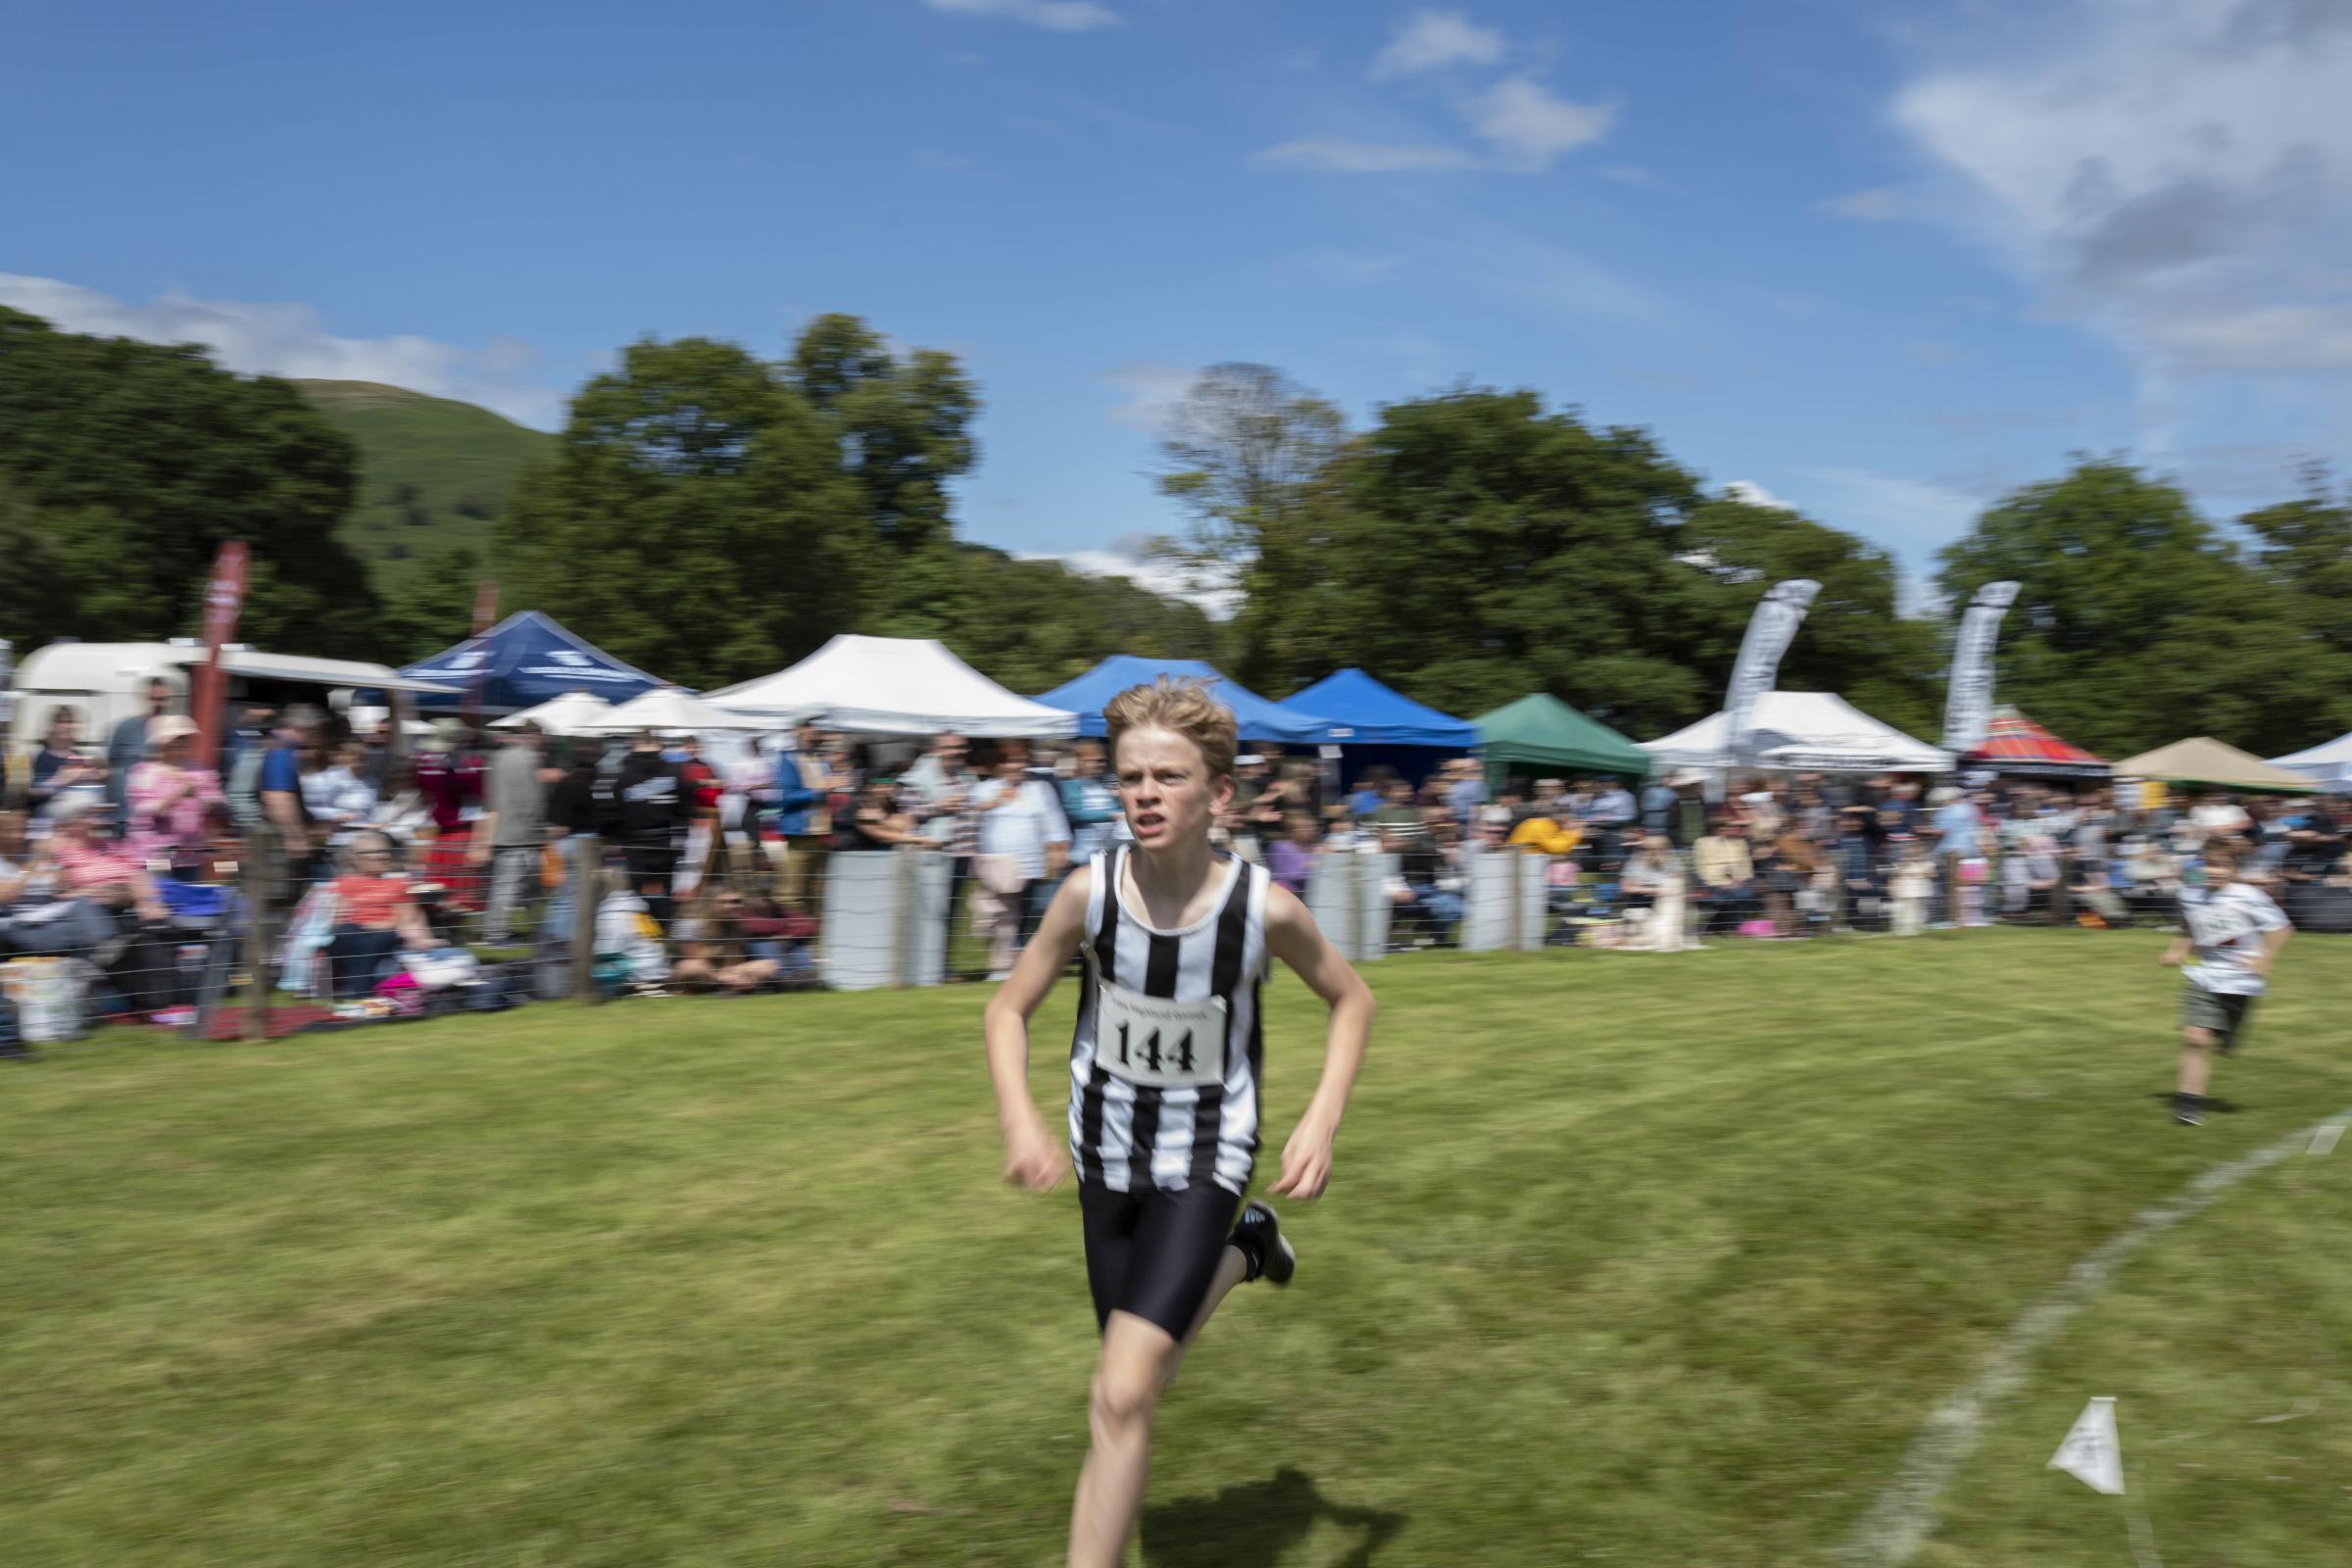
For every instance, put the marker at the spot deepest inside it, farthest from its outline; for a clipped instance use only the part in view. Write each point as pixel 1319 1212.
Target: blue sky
pixel 1882 270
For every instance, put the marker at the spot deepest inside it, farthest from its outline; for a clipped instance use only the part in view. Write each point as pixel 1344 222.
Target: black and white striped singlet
pixel 1129 1136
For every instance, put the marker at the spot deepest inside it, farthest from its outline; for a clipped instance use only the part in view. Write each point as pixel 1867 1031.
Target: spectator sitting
pixel 169 798
pixel 94 870
pixel 375 917
pixel 1654 878
pixel 1856 860
pixel 61 767
pixel 1727 876
pixel 401 813
pixel 1912 890
pixel 2093 890
pixel 713 951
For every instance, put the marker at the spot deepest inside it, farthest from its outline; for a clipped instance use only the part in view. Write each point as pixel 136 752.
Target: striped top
pixel 1127 1136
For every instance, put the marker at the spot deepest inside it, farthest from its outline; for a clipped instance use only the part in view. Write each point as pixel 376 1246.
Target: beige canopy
pixel 2202 759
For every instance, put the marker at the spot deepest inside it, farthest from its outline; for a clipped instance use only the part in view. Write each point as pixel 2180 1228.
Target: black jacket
pixel 646 800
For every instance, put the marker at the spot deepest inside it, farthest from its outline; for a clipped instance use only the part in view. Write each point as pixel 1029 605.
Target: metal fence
pixel 256 937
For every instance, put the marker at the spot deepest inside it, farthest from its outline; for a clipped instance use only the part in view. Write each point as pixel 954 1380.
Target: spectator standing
pixel 284 805
pixel 1660 802
pixel 1614 804
pixel 1291 860
pixel 1024 844
pixel 126 747
pixel 1956 841
pixel 647 814
pixel 511 835
pixel 1465 794
pixel 1091 804
pixel 339 796
pixel 938 791
pixel 168 798
pixel 803 814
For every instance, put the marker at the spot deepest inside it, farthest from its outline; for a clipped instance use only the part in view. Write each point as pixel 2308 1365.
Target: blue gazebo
pixel 1377 725
pixel 1258 719
pixel 522 662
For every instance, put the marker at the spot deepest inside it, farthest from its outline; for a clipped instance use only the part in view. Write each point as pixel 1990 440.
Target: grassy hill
pixel 434 473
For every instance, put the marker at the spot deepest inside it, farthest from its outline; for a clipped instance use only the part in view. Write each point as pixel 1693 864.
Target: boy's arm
pixel 1032 1157
pixel 2271 941
pixel 1292 935
pixel 2178 951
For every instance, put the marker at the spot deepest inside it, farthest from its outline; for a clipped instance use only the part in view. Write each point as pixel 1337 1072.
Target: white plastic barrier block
pixel 863 914
pixel 923 885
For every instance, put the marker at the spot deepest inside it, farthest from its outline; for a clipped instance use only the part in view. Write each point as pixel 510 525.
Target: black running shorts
pixel 1155 1253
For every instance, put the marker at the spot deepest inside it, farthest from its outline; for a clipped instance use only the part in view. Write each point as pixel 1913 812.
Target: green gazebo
pixel 1539 732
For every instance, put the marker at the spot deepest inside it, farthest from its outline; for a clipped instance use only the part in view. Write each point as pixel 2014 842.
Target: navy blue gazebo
pixel 1378 726
pixel 1257 718
pixel 522 662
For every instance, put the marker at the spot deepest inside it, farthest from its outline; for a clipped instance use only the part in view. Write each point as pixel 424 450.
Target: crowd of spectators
pixel 711 869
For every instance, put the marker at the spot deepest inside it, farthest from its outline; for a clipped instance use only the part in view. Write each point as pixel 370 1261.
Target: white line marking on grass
pixel 1899 1521
pixel 2323 1141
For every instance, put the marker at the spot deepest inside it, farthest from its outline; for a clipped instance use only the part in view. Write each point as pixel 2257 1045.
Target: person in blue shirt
pixel 1955 827
pixel 1091 804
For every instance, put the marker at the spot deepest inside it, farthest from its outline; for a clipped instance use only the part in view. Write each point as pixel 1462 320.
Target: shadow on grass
pixel 2213 1103
pixel 1252 1525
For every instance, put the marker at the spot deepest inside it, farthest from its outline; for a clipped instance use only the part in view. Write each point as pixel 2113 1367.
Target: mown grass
pixel 1627 1259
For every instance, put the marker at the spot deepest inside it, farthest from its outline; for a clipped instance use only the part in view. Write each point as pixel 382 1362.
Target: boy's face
pixel 1165 788
pixel 2220 874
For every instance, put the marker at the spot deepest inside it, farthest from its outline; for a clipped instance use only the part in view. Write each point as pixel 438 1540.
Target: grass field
pixel 1627 1259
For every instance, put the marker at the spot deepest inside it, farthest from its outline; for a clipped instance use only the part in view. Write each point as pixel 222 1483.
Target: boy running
pixel 1166 1068
pixel 2234 932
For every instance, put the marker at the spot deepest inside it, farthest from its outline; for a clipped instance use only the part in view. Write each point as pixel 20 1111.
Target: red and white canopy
pixel 2015 744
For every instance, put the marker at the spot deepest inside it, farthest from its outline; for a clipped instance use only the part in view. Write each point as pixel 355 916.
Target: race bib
pixel 1155 1043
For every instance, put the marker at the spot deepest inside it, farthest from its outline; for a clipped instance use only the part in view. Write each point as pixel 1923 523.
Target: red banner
pixel 485 615
pixel 224 601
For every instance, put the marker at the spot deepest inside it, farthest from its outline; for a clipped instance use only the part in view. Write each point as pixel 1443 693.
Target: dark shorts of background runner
pixel 1155 1253
pixel 2223 1014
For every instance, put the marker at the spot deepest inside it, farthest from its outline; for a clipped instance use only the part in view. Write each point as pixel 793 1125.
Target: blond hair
pixel 1182 706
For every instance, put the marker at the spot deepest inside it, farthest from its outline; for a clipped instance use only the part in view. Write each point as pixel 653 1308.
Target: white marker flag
pixel 1770 630
pixel 2092 1453
pixel 1967 705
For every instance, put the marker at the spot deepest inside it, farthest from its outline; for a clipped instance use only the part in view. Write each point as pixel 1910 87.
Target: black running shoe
pixel 2188 1112
pixel 1258 1234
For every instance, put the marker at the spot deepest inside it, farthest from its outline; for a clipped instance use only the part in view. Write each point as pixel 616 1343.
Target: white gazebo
pixel 1809 732
pixel 2321 764
pixel 572 713
pixel 892 686
pixel 665 708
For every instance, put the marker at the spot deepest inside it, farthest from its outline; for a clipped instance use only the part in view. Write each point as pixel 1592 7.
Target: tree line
pixel 713 516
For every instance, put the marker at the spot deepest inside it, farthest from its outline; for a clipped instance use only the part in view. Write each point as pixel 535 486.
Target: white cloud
pixel 1337 155
pixel 1528 124
pixel 1436 38
pixel 1879 206
pixel 2175 172
pixel 1155 576
pixel 290 341
pixel 1754 495
pixel 1153 388
pixel 1055 16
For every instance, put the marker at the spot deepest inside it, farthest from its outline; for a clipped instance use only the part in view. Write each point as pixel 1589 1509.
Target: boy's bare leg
pixel 1138 1361
pixel 2197 1060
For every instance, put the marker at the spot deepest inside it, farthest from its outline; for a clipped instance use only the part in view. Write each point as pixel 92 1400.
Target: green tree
pixel 2137 624
pixel 434 607
pixel 1241 456
pixel 696 521
pixel 132 463
pixel 1472 547
pixel 2305 549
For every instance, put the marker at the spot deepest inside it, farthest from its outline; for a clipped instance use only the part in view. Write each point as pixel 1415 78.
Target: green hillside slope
pixel 433 472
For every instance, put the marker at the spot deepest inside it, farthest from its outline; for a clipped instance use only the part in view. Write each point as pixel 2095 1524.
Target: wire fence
pixel 257 936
